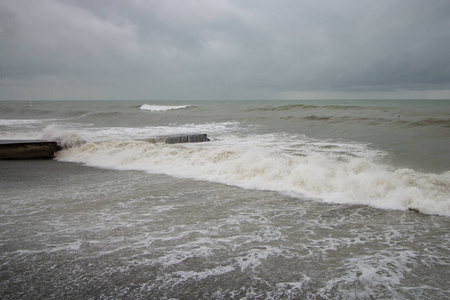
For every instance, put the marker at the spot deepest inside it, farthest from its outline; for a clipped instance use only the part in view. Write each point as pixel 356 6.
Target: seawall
pixel 30 149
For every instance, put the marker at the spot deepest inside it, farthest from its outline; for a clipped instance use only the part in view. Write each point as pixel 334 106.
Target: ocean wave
pixel 433 121
pixel 58 132
pixel 324 171
pixel 64 138
pixel 296 107
pixel 392 120
pixel 24 122
pixel 163 107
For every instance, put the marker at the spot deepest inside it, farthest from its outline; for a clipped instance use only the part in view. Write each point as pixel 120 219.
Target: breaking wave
pixel 163 107
pixel 309 169
pixel 64 138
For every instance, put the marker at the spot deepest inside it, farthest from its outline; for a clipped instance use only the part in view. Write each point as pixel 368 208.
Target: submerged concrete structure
pixel 175 139
pixel 28 149
pixel 190 138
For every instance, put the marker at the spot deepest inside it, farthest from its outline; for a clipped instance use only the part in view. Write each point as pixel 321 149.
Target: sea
pixel 329 199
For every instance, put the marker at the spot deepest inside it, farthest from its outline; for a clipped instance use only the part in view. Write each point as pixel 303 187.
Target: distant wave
pixel 294 107
pixel 390 120
pixel 24 122
pixel 163 107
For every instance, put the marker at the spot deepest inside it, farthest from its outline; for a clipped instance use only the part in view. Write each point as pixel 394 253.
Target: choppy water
pixel 290 200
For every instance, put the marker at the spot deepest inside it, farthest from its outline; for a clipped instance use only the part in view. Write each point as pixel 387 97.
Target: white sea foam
pixel 220 270
pixel 345 173
pixel 180 277
pixel 163 107
pixel 254 257
pixel 74 246
pixel 108 133
pixel 374 271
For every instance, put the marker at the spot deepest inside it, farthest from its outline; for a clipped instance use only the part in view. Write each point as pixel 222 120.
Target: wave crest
pixel 328 176
pixel 163 107
pixel 64 138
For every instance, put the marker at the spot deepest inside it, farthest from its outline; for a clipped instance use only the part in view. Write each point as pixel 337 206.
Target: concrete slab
pixel 27 149
pixel 188 138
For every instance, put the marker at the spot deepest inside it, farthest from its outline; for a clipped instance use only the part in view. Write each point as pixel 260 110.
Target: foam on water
pixel 372 273
pixel 327 171
pixel 174 238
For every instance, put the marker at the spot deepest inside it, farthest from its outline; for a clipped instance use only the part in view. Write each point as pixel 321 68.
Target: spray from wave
pixel 64 138
pixel 329 172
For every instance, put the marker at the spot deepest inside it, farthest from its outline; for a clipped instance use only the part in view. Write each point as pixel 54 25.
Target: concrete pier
pixel 190 138
pixel 29 149
pixel 175 139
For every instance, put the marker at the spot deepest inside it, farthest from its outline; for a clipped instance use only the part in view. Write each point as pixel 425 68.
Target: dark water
pixel 288 201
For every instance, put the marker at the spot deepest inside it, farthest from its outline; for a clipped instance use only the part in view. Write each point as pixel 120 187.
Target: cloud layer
pixel 198 49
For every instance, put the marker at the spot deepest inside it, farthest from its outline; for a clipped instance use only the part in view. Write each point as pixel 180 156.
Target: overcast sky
pixel 237 49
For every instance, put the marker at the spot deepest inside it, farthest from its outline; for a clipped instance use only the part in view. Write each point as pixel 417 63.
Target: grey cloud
pixel 222 49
